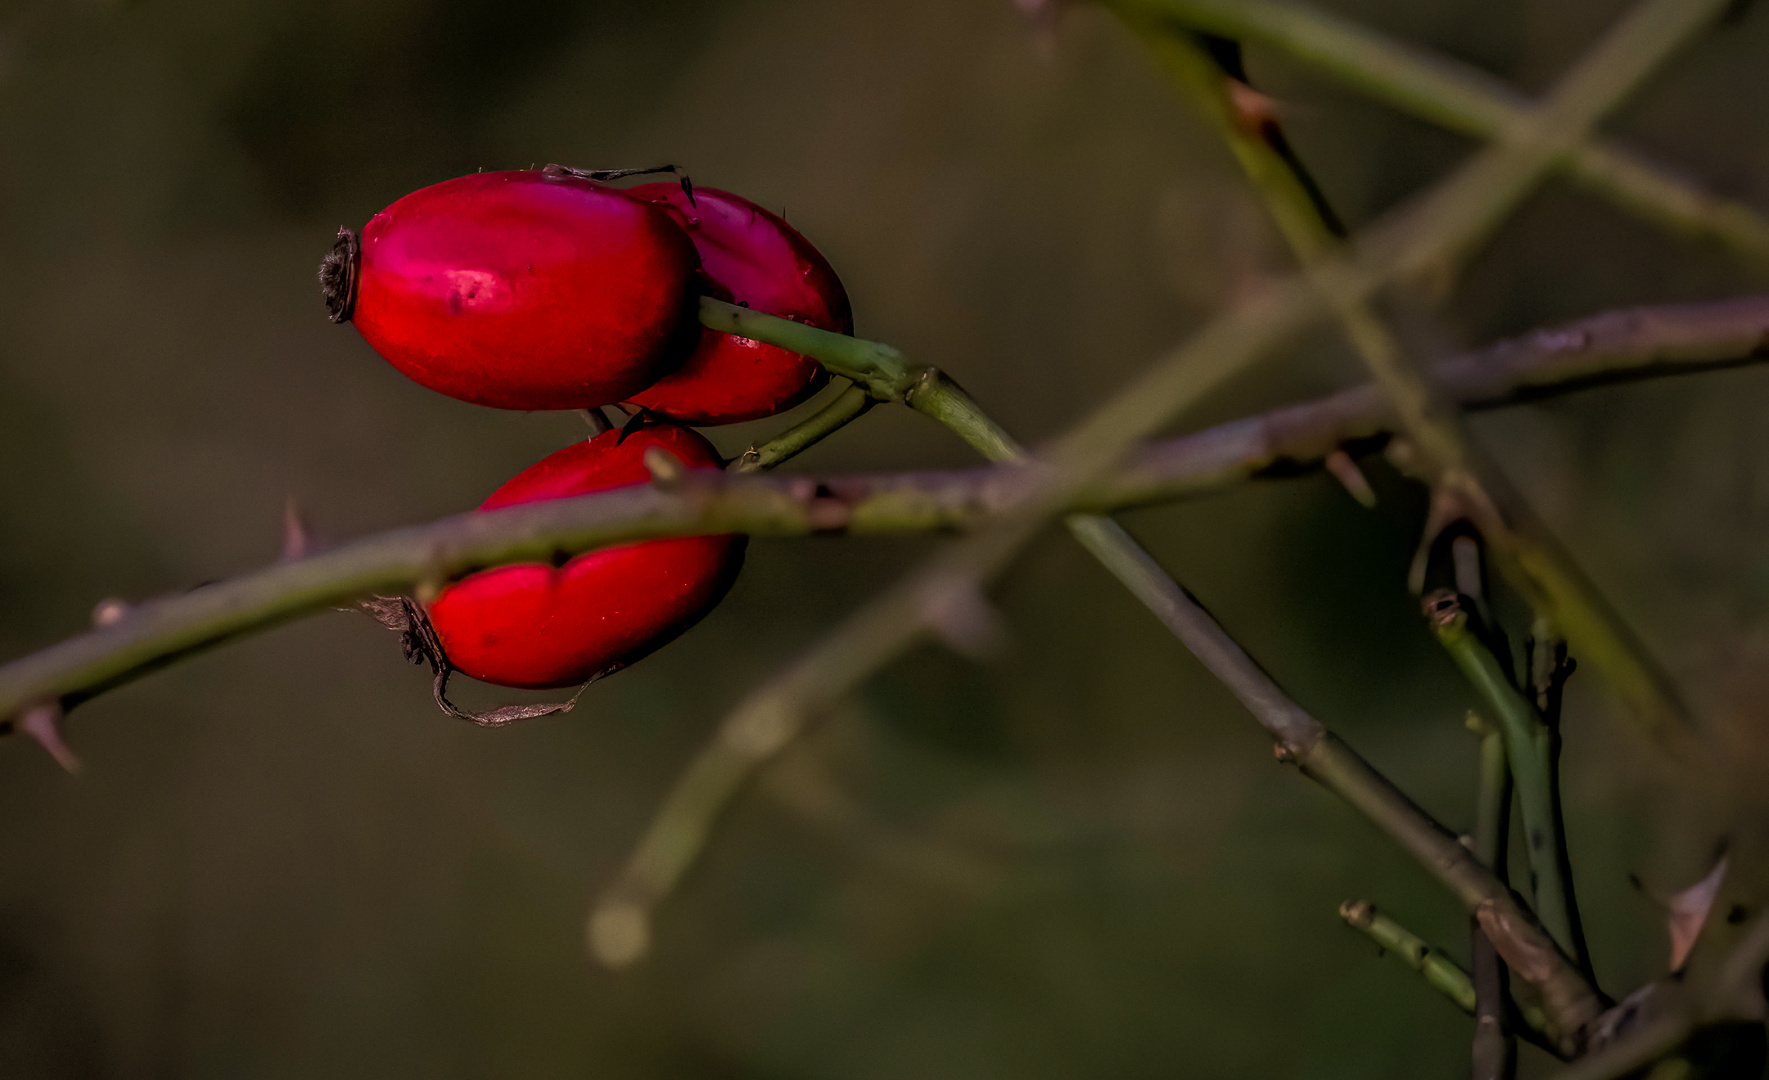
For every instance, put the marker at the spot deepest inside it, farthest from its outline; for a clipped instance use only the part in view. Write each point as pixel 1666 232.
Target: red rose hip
pixel 534 625
pixel 520 290
pixel 764 263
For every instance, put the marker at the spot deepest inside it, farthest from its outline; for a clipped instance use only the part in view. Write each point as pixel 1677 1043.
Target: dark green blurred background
pixel 1078 861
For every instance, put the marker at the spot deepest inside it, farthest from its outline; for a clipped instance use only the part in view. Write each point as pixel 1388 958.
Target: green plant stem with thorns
pixel 1462 98
pixel 1617 346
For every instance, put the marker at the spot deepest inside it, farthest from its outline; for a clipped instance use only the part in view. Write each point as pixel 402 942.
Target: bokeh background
pixel 1075 861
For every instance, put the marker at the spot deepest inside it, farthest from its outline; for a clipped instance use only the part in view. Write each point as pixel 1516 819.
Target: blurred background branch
pixel 1444 91
pixel 1442 453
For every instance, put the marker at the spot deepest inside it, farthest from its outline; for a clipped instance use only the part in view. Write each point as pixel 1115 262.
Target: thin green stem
pixel 1492 807
pixel 882 370
pixel 1462 98
pixel 1134 568
pixel 937 396
pixel 1494 1050
pixel 1527 748
pixel 1546 673
pixel 847 406
pixel 1569 1003
pixel 1439 971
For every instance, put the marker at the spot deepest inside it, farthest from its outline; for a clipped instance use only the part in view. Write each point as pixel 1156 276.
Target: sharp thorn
pixel 297 537
pixel 1686 912
pixel 43 723
pixel 1345 470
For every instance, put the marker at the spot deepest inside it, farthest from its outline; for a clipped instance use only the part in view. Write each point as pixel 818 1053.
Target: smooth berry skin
pixel 533 625
pixel 750 257
pixel 526 290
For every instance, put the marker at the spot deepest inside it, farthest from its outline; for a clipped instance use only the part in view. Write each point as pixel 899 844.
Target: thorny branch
pixel 1570 1003
pixel 135 640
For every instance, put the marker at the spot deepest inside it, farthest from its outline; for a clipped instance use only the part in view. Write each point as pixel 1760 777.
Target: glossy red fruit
pixel 535 289
pixel 534 625
pixel 762 262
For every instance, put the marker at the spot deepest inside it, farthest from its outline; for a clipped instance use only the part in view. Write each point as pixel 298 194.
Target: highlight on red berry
pixel 750 257
pixel 537 626
pixel 530 289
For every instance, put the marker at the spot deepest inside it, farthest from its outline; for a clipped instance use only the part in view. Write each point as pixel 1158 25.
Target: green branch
pixel 1568 1000
pixel 1439 971
pixel 1527 749
pixel 1492 804
pixel 846 407
pixel 1494 1050
pixel 885 373
pixel 1617 345
pixel 1446 977
pixel 1462 98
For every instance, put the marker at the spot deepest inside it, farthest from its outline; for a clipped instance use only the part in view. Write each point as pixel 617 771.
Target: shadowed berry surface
pixel 533 625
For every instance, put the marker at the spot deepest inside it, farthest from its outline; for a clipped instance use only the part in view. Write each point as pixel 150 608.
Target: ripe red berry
pixel 764 263
pixel 535 625
pixel 520 290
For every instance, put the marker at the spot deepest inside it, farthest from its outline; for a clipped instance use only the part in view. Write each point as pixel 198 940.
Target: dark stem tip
pixel 1443 607
pixel 602 176
pixel 337 275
